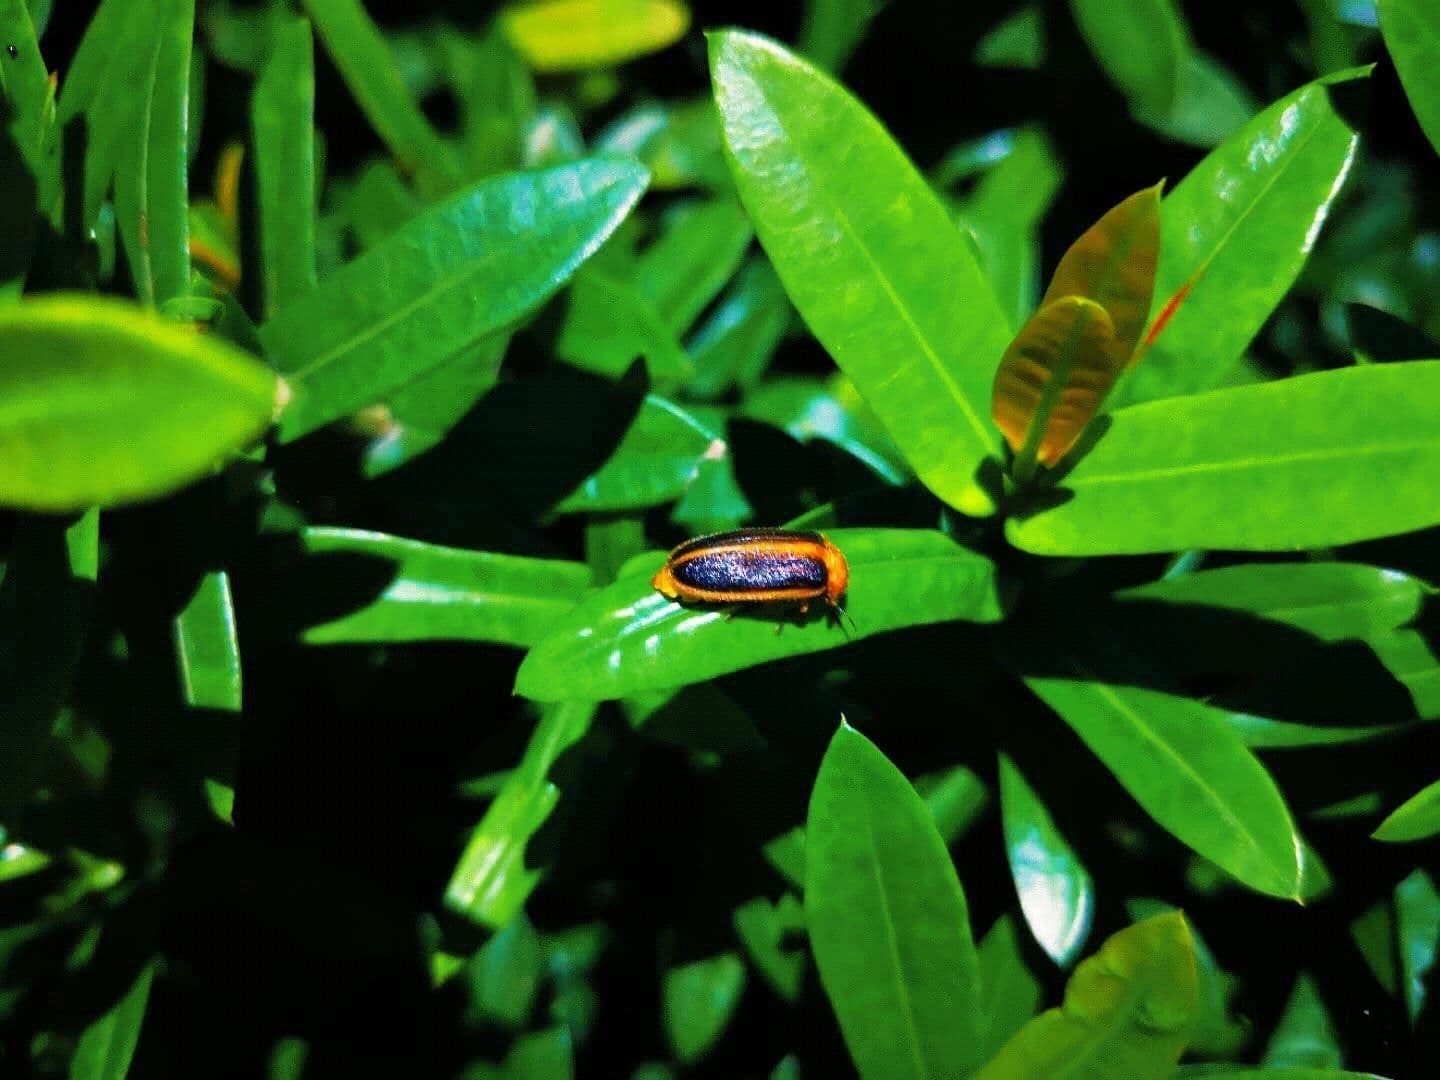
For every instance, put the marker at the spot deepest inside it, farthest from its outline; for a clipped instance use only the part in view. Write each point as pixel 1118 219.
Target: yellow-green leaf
pixel 569 35
pixel 1128 1012
pixel 103 403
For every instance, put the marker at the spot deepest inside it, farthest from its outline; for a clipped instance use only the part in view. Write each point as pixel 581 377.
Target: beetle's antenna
pixel 843 615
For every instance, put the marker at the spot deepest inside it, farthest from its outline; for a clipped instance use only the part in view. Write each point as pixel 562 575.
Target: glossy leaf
pixel 1417 932
pixel 888 921
pixel 106 404
pixel 1056 892
pixel 1411 29
pixel 207 647
pixel 1141 45
pixel 869 258
pixel 657 459
pixel 1009 993
pixel 1189 772
pixel 107 1047
pixel 698 999
pixel 1304 1035
pixel 282 120
pixel 1127 1014
pixel 368 66
pixel 1334 601
pixel 492 879
pixel 1315 461
pixel 569 35
pixel 1234 235
pixel 439 593
pixel 152 169
pixel 409 305
pixel 1417 818
pixel 628 638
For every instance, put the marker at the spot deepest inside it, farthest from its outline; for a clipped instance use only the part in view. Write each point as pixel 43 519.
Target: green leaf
pixel 1018 41
pixel 1234 235
pixel 808 409
pixel 152 170
pixel 282 122
pixel 869 257
pixel 1417 818
pixel 699 251
pixel 1056 892
pixel 1314 461
pixel 24 85
pixel 437 593
pixel 370 72
pixel 679 143
pixel 888 920
pixel 657 459
pixel 107 1046
pixel 1242 1072
pixel 1417 930
pixel 1411 29
pixel 1009 993
pixel 421 413
pixel 105 403
pixel 1334 601
pixel 570 35
pixel 492 880
pixel 1189 772
pixel 502 979
pixel 1212 104
pixel 833 29
pixel 207 647
pixel 1304 1035
pixel 608 323
pixel 627 638
pixel 474 264
pixel 540 1055
pixel 1142 46
pixel 761 927
pixel 698 999
pixel 1127 1014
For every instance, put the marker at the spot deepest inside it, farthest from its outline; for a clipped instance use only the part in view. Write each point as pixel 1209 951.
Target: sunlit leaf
pixel 1417 818
pixel 888 919
pixel 566 35
pixel 1128 1012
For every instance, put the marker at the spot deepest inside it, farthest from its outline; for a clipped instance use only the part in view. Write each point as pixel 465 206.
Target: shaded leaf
pixel 1417 932
pixel 1411 29
pixel 1009 993
pixel 106 404
pixel 888 920
pixel 107 1046
pixel 1127 1014
pixel 1018 41
pixel 1142 46
pixel 1212 104
pixel 207 646
pixel 439 593
pixel 1304 1035
pixel 868 256
pixel 502 979
pixel 409 304
pixel 627 637
pixel 698 999
pixel 1314 461
pixel 735 344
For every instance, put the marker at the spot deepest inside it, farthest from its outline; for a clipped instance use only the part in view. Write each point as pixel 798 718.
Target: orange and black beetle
pixel 755 566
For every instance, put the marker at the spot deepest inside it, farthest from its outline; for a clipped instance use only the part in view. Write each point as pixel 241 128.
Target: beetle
pixel 756 566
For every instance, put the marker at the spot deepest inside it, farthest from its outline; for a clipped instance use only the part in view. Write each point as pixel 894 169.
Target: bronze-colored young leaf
pixel 1064 361
pixel 1053 377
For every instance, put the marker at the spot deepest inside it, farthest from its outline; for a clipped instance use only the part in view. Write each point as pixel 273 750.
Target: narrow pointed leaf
pixel 23 85
pixel 107 1046
pixel 609 323
pixel 888 920
pixel 1314 461
pixel 492 879
pixel 869 257
pixel 1411 29
pixel 628 638
pixel 685 269
pixel 106 404
pixel 282 120
pixel 359 50
pixel 465 268
pixel 1056 892
pixel 1142 46
pixel 1417 818
pixel 570 35
pixel 1127 1014
pixel 1304 1035
pixel 1189 772
pixel 833 29
pixel 1234 235
pixel 435 593
pixel 1417 932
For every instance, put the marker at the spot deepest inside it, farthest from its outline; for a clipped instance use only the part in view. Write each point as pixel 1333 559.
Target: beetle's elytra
pixel 755 566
